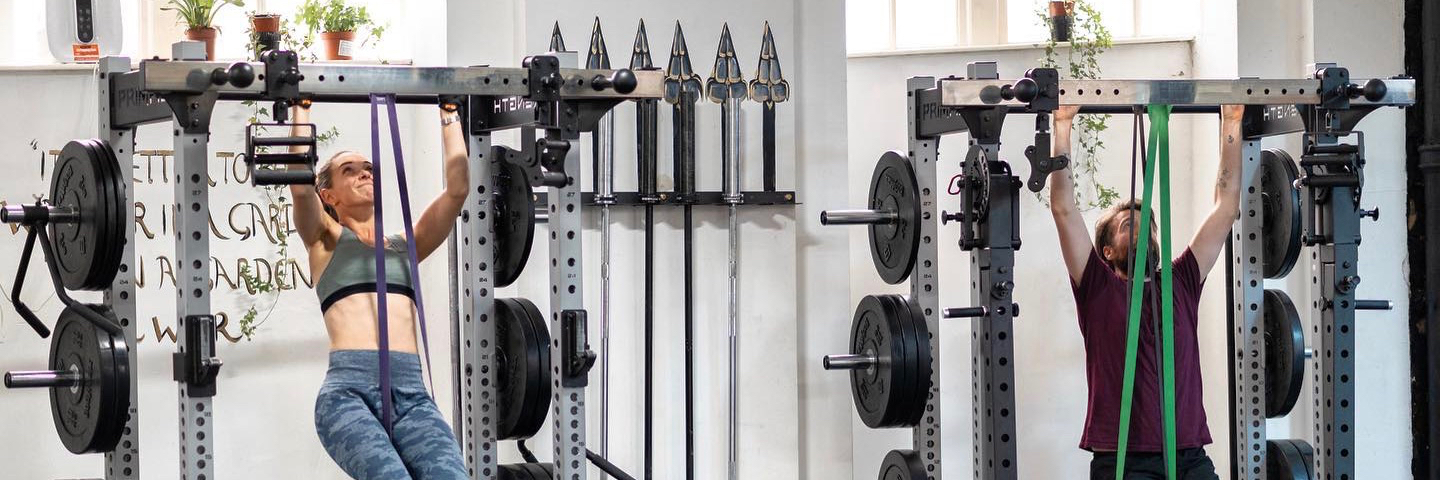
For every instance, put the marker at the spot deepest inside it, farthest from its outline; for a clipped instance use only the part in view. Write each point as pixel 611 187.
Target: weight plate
pixel 1284 354
pixel 89 417
pixel 976 199
pixel 116 220
pixel 1306 456
pixel 874 333
pixel 540 471
pixel 86 249
pixel 522 369
pixel 905 384
pixel 915 366
pixel 511 472
pixel 1284 461
pixel 894 246
pixel 113 221
pixel 514 221
pixel 1281 201
pixel 902 464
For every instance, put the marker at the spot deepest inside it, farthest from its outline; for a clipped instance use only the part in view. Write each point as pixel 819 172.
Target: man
pixel 1099 273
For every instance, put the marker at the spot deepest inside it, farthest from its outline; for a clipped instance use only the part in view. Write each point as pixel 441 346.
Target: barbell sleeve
pixel 1374 305
pixel 41 379
pixel 849 362
pixel 858 217
pixel 965 312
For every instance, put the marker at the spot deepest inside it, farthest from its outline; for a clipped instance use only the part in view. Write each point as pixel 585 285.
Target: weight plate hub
pixel 1281 201
pixel 890 393
pixel 86 183
pixel 514 221
pixel 522 366
pixel 902 464
pixel 977 183
pixel 1284 354
pixel 89 417
pixel 1289 460
pixel 894 246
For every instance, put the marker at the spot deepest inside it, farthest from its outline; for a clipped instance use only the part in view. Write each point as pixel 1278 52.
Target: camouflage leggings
pixel 347 419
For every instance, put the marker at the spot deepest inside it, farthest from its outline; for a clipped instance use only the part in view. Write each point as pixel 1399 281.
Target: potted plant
pixel 1062 15
pixel 199 19
pixel 338 24
pixel 264 33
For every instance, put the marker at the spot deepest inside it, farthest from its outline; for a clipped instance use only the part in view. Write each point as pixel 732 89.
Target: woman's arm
pixel 439 218
pixel 1210 238
pixel 1075 245
pixel 311 222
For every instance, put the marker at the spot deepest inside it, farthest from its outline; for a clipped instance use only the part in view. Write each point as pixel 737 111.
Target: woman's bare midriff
pixel 352 323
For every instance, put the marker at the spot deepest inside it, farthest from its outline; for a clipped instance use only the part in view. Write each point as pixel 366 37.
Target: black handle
pixel 1024 90
pixel 623 81
pixel 283 177
pixel 25 312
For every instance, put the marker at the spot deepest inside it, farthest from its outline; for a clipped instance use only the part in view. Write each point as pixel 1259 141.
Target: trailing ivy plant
pixel 336 16
pixel 1088 39
pixel 289 39
pixel 269 288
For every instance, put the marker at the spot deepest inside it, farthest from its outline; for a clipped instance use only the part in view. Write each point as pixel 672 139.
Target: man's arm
pixel 1075 245
pixel 1209 240
pixel 311 221
pixel 439 218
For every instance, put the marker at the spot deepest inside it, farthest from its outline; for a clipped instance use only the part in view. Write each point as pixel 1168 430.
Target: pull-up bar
pixel 1177 92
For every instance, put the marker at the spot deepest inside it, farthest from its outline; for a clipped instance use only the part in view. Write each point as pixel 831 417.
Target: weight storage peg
pixel 892 216
pixel 889 361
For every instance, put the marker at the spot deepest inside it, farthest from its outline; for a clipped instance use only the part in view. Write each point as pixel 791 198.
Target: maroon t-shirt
pixel 1103 301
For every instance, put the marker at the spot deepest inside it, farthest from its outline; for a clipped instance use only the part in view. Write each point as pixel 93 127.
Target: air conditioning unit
pixel 83 30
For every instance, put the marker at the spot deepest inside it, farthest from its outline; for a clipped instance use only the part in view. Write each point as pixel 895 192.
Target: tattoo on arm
pixel 1230 138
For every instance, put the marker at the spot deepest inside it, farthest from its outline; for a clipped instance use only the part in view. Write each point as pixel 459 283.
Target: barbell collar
pixel 42 379
pixel 858 217
pixel 849 361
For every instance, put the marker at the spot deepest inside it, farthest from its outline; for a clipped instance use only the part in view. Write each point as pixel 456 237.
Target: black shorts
pixel 1190 464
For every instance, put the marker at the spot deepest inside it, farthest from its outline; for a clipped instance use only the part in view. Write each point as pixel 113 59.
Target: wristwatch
pixel 449 119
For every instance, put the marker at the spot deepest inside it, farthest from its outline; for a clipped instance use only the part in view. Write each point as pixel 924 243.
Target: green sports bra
pixel 352 269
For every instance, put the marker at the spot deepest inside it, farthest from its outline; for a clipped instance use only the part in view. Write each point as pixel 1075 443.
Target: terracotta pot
pixel 1062 16
pixel 265 22
pixel 206 35
pixel 338 45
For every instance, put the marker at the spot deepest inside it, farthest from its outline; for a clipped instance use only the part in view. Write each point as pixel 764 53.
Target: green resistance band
pixel 1158 154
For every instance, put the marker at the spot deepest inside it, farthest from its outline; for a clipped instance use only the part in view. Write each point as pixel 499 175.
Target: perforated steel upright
pixel 1248 317
pixel 924 282
pixel 124 462
pixel 566 294
pixel 477 359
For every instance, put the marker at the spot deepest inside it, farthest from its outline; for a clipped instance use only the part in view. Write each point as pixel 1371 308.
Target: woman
pixel 335 221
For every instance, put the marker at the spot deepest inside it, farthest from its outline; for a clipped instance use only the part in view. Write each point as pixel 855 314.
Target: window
pixel 890 25
pixel 149 31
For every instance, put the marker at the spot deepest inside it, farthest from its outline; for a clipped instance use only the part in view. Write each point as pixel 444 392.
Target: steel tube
pixel 858 217
pixel 849 361
pixel 42 379
pixel 965 312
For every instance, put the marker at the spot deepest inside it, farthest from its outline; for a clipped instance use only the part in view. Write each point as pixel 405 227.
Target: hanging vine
pixel 1089 39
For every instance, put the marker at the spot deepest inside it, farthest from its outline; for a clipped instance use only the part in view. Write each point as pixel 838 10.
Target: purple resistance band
pixel 387 417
